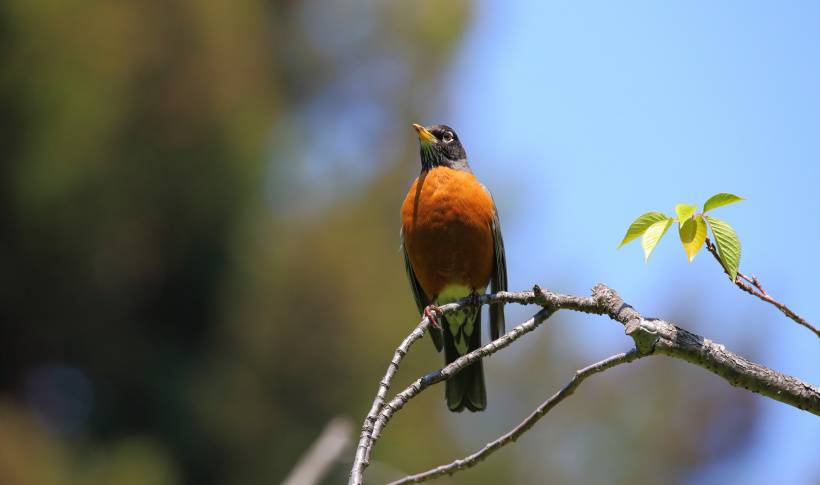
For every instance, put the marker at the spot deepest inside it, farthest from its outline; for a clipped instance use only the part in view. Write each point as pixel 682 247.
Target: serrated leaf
pixel 641 224
pixel 653 234
pixel 685 212
pixel 692 236
pixel 717 200
pixel 728 245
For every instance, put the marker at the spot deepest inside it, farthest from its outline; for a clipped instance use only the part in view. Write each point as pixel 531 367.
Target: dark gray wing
pixel 420 297
pixel 498 280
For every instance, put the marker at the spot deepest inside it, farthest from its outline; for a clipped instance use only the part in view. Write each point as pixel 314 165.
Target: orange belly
pixel 446 220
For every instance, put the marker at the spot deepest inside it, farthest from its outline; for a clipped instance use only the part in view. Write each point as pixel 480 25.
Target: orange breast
pixel 446 220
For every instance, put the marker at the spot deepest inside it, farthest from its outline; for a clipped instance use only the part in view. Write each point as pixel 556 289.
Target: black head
pixel 440 147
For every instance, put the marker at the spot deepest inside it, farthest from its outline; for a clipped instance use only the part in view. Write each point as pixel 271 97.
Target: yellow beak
pixel 424 135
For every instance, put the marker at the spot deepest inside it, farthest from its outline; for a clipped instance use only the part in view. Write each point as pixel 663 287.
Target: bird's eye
pixel 447 137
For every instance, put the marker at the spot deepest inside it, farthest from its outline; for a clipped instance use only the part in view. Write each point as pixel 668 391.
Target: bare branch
pixel 659 336
pixel 360 462
pixel 511 436
pixel 454 368
pixel 365 441
pixel 651 336
pixel 753 287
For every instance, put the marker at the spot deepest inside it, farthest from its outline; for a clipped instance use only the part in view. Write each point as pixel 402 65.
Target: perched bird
pixel 452 246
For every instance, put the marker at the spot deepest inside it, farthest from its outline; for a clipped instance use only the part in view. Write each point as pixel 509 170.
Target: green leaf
pixel 685 211
pixel 693 235
pixel 728 245
pixel 653 234
pixel 720 199
pixel 641 224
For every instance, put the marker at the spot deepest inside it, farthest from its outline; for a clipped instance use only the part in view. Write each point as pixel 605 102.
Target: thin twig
pixel 753 287
pixel 454 368
pixel 511 436
pixel 365 441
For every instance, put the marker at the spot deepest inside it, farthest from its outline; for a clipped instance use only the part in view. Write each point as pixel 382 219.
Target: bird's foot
pixel 430 312
pixel 475 299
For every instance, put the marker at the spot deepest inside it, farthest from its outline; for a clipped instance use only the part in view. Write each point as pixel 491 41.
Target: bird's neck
pixel 431 158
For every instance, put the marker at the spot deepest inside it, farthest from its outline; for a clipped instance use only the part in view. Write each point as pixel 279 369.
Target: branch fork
pixel 651 336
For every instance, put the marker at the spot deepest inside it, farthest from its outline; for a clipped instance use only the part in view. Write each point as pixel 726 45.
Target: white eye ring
pixel 447 138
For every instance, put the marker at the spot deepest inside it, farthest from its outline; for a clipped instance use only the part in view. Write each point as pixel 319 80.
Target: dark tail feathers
pixel 465 389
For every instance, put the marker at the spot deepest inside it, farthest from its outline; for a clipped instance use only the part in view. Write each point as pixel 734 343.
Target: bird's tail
pixel 465 389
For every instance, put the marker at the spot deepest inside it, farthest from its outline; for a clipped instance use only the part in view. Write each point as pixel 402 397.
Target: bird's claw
pixel 430 312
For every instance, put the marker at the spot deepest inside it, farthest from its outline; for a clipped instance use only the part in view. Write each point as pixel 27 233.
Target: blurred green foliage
pixel 199 253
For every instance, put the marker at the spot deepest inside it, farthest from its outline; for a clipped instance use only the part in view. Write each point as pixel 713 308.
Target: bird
pixel 452 247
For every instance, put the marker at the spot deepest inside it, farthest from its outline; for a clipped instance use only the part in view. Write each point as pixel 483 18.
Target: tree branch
pixel 659 336
pixel 365 441
pixel 511 436
pixel 753 287
pixel 452 369
pixel 651 336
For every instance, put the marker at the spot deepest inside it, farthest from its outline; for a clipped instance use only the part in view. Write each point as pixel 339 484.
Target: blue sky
pixel 584 117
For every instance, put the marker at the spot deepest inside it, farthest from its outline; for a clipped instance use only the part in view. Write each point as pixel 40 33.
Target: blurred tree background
pixel 200 267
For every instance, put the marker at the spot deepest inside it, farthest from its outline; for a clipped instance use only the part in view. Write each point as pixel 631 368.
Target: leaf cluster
pixel 692 229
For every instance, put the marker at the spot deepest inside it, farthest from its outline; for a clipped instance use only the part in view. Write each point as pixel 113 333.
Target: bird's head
pixel 440 147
